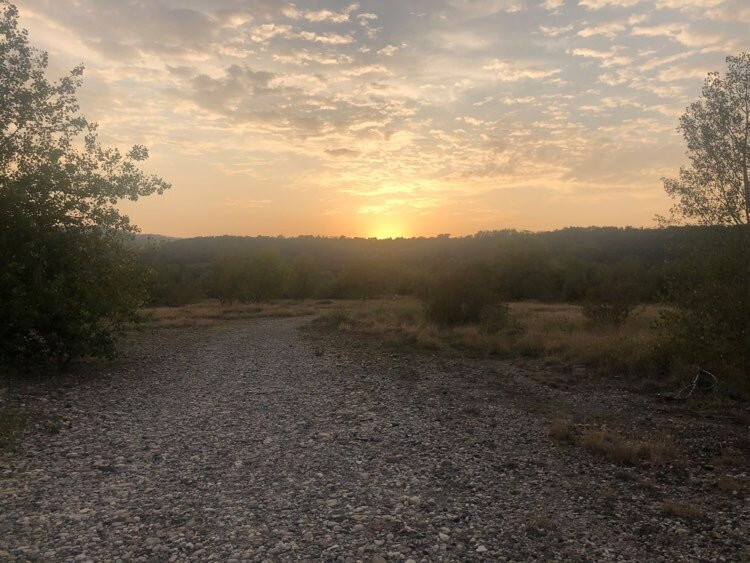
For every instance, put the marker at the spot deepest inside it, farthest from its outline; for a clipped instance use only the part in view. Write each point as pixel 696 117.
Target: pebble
pixel 239 442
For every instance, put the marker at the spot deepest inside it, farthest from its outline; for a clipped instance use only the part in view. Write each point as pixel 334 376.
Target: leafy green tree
pixel 68 284
pixel 712 288
pixel 715 188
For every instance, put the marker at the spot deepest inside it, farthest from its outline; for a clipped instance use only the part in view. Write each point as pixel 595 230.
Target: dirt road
pixel 253 441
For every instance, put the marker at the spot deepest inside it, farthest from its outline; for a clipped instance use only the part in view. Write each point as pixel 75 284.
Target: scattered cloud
pixel 377 107
pixel 510 71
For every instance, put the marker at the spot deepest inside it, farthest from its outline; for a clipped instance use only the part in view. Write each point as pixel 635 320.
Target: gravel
pixel 255 441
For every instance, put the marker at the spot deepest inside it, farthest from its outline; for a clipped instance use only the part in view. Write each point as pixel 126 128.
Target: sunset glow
pixel 389 118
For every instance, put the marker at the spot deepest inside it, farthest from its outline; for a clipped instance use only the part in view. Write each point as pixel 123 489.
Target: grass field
pixel 556 332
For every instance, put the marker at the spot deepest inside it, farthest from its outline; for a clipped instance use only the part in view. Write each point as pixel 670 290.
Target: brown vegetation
pixel 616 447
pixel 556 332
pixel 680 509
pixel 561 429
pixel 209 312
pixel 620 449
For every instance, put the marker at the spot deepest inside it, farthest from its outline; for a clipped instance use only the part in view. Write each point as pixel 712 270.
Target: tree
pixel 711 286
pixel 715 189
pixel 68 283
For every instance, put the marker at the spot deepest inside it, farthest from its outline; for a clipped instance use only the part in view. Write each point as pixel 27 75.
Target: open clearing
pixel 256 440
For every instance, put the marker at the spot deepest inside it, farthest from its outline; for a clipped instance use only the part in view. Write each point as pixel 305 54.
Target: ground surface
pixel 254 440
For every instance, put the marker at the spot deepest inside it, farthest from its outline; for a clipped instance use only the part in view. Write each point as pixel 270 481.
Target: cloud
pixel 610 30
pixel 509 71
pixel 599 4
pixel 318 16
pixel 342 153
pixel 608 58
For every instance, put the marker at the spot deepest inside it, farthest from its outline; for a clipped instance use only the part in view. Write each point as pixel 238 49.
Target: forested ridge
pixel 554 265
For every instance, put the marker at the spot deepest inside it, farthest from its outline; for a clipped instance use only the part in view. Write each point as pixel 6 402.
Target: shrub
pixel 461 297
pixel 494 318
pixel 614 313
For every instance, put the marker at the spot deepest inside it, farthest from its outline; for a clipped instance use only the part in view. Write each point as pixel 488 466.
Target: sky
pixel 393 118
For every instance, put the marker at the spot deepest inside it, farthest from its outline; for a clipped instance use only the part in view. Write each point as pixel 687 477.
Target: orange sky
pixel 386 118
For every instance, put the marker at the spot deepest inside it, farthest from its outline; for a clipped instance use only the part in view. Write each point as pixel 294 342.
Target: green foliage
pixel 710 288
pixel 260 277
pixel 710 285
pixel 715 188
pixel 555 266
pixel 68 284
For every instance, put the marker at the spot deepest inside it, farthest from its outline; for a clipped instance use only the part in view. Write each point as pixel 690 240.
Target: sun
pixel 387 231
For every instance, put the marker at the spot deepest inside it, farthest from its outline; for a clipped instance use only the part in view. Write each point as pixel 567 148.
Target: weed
pixel 561 429
pixel 12 426
pixel 681 510
pixel 729 484
pixel 658 451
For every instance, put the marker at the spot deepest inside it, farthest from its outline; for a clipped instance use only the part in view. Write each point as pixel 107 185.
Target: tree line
pixel 574 265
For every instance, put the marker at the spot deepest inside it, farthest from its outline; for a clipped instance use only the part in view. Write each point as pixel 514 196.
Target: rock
pixel 481 549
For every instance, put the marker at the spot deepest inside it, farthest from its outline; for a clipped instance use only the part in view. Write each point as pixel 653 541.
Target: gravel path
pixel 252 441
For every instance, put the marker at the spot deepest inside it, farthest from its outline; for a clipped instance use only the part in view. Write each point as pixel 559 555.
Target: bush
pixel 613 313
pixel 494 318
pixel 710 320
pixel 609 302
pixel 461 297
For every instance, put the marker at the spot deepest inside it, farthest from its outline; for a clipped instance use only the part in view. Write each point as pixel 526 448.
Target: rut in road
pixel 250 441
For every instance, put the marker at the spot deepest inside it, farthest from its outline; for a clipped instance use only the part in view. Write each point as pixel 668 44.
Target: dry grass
pixel 561 429
pixel 556 332
pixel 614 446
pixel 617 448
pixel 680 509
pixel 729 484
pixel 209 313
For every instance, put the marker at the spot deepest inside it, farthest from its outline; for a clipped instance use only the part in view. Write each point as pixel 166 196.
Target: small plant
pixel 729 484
pixel 561 429
pixel 12 426
pixel 53 425
pixel 680 509
pixel 619 449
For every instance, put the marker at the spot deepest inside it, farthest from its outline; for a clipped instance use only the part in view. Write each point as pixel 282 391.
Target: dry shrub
pixel 619 449
pixel 207 313
pixel 542 523
pixel 561 429
pixel 680 509
pixel 558 332
pixel 728 457
pixel 729 484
